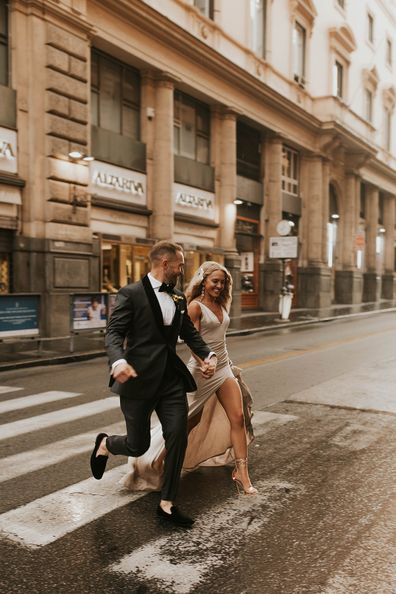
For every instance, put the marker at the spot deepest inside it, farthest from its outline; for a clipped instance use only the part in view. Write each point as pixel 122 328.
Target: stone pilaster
pixel 371 278
pixel 272 269
pixel 349 281
pixel 227 208
pixel 162 224
pixel 389 277
pixel 314 277
pixel 55 245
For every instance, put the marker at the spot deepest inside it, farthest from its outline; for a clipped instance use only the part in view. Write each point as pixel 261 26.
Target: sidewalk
pixel 30 353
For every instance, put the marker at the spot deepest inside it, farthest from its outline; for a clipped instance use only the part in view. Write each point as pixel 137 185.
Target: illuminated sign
pixel 118 183
pixel 194 202
pixel 8 150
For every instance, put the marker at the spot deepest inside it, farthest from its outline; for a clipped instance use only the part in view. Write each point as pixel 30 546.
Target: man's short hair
pixel 164 248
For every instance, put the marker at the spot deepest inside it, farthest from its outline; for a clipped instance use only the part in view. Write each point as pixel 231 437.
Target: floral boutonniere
pixel 179 301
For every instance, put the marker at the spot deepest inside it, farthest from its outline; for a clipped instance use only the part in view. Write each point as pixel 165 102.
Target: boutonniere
pixel 179 301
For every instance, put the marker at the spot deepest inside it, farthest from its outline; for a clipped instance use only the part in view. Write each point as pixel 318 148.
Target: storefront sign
pixel 89 312
pixel 19 315
pixel 118 183
pixel 283 247
pixel 8 150
pixel 194 202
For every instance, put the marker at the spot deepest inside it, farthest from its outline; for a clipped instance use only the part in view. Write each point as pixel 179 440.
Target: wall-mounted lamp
pixel 292 223
pixel 238 201
pixel 381 230
pixel 78 155
pixel 335 216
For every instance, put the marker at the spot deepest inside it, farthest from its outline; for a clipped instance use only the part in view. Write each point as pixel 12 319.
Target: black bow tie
pixel 166 288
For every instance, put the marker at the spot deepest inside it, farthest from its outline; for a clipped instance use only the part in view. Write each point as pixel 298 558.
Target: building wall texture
pixel 317 96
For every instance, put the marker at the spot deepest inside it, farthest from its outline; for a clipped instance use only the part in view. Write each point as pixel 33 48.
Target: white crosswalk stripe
pixel 57 417
pixel 34 400
pixel 48 518
pixel 6 389
pixel 25 462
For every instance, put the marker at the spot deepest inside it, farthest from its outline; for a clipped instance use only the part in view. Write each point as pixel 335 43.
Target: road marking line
pixel 175 562
pixel 5 389
pixel 304 351
pixel 35 399
pixel 26 462
pixel 51 517
pixel 57 417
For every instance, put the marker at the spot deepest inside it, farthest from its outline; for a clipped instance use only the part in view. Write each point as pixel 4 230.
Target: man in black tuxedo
pixel 147 373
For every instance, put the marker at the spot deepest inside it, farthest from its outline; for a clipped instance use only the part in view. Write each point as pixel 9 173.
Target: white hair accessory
pixel 200 273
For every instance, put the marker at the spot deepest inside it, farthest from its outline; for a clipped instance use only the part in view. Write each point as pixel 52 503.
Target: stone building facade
pixel 127 121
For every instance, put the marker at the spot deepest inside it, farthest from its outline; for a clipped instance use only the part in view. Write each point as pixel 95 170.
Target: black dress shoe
pixel 98 463
pixel 175 517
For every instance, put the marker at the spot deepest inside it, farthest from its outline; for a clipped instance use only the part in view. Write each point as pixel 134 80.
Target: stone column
pixel 314 278
pixel 272 277
pixel 147 126
pixel 389 277
pixel 227 208
pixel 371 279
pixel 349 281
pixel 162 224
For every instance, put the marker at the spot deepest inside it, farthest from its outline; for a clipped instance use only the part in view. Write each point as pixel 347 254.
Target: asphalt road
pixel 323 461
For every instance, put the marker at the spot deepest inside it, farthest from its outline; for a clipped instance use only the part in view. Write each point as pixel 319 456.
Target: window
pixel 115 96
pixel 338 79
pixel 362 211
pixel 3 43
pixel 299 40
pixel 290 171
pixel 387 129
pixel 206 7
pixel 389 51
pixel 191 129
pixel 258 26
pixel 370 28
pixel 248 152
pixel 368 97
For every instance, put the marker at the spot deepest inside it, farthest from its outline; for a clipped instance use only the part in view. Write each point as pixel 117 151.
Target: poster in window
pixel 247 261
pixel 89 311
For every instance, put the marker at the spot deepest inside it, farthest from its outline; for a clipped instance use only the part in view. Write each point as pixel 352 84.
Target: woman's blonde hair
pixel 194 289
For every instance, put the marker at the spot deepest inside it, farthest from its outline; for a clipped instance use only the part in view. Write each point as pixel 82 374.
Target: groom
pixel 147 373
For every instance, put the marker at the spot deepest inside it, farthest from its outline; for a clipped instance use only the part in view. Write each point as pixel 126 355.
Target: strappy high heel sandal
pixel 239 462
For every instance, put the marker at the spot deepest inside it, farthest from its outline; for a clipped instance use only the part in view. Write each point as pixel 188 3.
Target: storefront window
pixel 4 273
pixel 3 43
pixel 191 129
pixel 115 96
pixel 248 246
pixel 248 152
pixel 123 264
pixel 290 171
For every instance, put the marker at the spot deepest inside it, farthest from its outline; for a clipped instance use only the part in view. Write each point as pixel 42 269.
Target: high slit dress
pixel 209 442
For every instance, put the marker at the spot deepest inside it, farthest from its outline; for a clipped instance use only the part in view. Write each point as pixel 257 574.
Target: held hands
pixel 123 372
pixel 208 367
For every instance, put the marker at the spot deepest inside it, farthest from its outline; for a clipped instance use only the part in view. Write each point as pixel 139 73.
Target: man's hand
pixel 123 371
pixel 209 366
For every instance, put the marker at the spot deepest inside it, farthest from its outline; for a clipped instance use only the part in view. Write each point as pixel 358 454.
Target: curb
pixel 275 327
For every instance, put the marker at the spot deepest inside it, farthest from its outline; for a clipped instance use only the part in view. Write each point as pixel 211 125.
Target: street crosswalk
pixel 46 519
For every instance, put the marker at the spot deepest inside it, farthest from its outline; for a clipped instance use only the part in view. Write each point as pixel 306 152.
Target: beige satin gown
pixel 209 443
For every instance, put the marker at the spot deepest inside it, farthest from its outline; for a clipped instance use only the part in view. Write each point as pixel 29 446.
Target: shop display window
pixel 4 273
pixel 123 264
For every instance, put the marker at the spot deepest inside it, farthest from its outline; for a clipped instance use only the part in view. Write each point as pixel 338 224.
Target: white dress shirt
pixel 168 309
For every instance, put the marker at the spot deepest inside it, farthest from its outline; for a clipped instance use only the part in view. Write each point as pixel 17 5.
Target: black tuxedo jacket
pixel 135 332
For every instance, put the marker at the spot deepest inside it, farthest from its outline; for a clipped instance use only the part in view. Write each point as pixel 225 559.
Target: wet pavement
pixel 323 461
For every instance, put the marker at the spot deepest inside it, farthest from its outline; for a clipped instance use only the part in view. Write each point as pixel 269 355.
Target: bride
pixel 219 418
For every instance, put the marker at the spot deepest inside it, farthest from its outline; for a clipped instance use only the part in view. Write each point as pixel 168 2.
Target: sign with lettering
pixel 194 202
pixel 284 247
pixel 8 150
pixel 118 183
pixel 19 315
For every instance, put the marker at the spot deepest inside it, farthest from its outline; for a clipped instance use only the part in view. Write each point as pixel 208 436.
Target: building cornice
pixel 50 9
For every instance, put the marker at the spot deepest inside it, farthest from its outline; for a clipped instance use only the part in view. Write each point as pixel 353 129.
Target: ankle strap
pixel 241 461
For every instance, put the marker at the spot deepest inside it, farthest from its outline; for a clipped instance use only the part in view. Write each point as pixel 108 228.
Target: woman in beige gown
pixel 219 414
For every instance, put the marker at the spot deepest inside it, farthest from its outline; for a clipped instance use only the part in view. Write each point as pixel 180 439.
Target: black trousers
pixel 170 404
